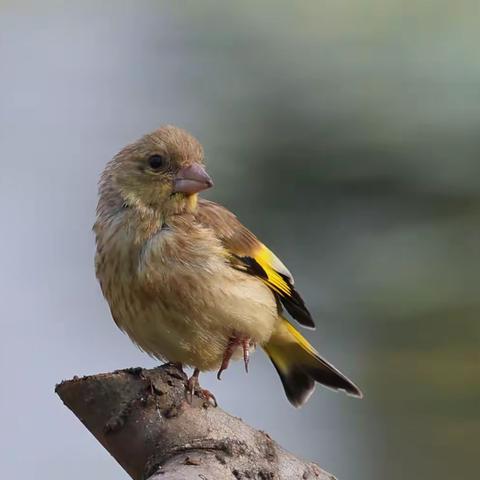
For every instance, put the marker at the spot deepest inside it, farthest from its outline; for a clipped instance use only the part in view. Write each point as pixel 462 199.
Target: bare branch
pixel 143 419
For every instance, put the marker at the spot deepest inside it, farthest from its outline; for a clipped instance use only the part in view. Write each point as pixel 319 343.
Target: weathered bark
pixel 143 419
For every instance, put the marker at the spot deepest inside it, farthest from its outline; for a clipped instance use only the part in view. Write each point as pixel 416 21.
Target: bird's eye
pixel 157 162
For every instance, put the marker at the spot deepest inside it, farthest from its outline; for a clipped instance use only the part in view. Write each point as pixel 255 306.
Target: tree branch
pixel 143 419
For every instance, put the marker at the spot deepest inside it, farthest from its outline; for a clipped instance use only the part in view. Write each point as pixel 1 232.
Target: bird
pixel 187 281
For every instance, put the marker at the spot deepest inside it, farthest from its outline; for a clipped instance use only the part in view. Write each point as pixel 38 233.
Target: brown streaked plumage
pixel 185 279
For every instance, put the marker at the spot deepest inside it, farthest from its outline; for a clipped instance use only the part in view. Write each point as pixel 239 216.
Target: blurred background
pixel 344 133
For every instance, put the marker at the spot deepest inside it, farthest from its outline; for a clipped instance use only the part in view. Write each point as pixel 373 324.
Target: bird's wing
pixel 246 253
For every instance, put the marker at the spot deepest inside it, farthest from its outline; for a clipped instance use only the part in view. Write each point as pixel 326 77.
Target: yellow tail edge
pixel 299 366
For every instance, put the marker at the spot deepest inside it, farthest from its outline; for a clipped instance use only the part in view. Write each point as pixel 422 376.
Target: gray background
pixel 344 133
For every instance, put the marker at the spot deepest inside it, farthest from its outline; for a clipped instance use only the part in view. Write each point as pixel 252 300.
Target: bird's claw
pixel 193 386
pixel 246 352
pixel 233 343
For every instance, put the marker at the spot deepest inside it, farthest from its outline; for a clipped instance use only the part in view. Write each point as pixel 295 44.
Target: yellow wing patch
pixel 272 266
pixel 267 266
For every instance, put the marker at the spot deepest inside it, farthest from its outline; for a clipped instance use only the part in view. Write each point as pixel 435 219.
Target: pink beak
pixel 191 179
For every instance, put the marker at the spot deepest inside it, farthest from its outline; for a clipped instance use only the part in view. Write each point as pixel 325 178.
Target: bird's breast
pixel 178 299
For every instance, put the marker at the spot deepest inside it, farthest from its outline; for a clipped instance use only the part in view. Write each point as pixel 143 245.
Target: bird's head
pixel 163 171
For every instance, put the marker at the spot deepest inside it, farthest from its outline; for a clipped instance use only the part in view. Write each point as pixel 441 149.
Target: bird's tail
pixel 300 366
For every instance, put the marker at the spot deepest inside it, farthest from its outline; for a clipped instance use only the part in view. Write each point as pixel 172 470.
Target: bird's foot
pixel 194 386
pixel 233 343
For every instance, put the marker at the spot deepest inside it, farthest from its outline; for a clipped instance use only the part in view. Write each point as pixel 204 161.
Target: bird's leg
pixel 233 343
pixel 193 384
pixel 246 352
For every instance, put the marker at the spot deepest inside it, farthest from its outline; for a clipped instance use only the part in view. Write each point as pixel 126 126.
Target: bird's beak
pixel 191 179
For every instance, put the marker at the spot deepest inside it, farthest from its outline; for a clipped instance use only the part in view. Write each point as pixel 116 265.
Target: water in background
pixel 345 134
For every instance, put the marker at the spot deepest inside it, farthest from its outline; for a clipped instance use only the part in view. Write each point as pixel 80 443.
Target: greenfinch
pixel 186 281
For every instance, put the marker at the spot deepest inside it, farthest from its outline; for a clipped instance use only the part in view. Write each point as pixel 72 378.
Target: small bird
pixel 186 281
